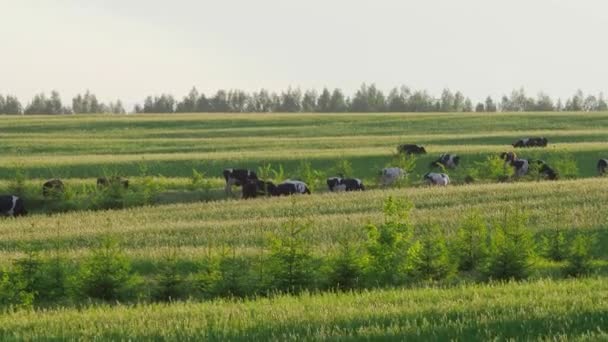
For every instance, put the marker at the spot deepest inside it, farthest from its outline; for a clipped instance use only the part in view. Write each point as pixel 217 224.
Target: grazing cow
pixel 447 160
pixel 531 142
pixel 433 178
pixel 52 187
pixel 11 205
pixel 290 187
pixel 255 188
pixel 337 184
pixel 602 166
pixel 522 167
pixel 237 177
pixel 411 149
pixel 390 175
pixel 103 182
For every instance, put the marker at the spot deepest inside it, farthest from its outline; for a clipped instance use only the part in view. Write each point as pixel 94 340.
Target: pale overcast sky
pixel 128 49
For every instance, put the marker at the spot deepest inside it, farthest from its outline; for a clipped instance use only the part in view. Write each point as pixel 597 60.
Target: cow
pixel 433 178
pixel 602 166
pixel 11 205
pixel 52 187
pixel 337 184
pixel 390 175
pixel 104 182
pixel 237 177
pixel 255 188
pixel 449 161
pixel 290 187
pixel 531 142
pixel 411 149
pixel 523 166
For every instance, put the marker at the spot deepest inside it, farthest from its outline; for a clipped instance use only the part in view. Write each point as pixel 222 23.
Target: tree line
pixel 367 99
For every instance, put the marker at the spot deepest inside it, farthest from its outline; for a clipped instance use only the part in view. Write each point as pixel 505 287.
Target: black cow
pixel 531 142
pixel 336 184
pixel 602 166
pixel 411 149
pixel 103 182
pixel 237 177
pixel 52 187
pixel 545 170
pixel 11 205
pixel 449 161
pixel 523 166
pixel 255 188
pixel 290 187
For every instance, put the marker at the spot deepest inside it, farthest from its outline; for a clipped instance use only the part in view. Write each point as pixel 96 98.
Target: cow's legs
pixel 229 183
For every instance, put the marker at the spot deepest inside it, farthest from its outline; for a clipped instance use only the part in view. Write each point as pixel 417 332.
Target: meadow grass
pixel 184 222
pixel 540 310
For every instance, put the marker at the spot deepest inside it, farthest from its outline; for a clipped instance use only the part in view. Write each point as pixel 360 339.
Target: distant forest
pixel 368 99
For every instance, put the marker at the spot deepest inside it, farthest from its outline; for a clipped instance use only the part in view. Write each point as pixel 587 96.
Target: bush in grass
pixel 309 175
pixel 233 272
pixel 169 281
pixel 267 172
pixel 387 244
pixel 553 245
pixel 471 243
pixel 565 166
pixel 27 273
pixel 54 284
pixel 17 184
pixel 579 258
pixel 511 248
pixel 12 293
pixel 346 267
pixel 106 274
pixel 289 262
pixel 428 257
pixel 199 181
pixel 495 169
pixel 342 168
pixel 209 277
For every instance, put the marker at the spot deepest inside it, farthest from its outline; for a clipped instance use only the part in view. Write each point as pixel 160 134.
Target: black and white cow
pixel 411 149
pixel 390 175
pixel 523 166
pixel 255 188
pixel 531 142
pixel 103 182
pixel 11 205
pixel 337 184
pixel 602 166
pixel 434 178
pixel 447 160
pixel 52 187
pixel 290 187
pixel 237 177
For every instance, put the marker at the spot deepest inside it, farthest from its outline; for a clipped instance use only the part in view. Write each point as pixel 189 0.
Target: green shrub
pixel 346 268
pixel 17 183
pixel 428 257
pixel 387 244
pixel 553 245
pixel 471 244
pixel 170 283
pixel 495 169
pixel 511 248
pixel 106 274
pixel 309 175
pixel 342 168
pixel 579 258
pixel 27 273
pixel 565 166
pixel 12 293
pixel 289 262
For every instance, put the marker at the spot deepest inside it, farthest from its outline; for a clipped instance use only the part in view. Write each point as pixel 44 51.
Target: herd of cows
pixel 252 187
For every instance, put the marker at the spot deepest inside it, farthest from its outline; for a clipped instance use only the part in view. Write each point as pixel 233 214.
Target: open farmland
pixel 78 149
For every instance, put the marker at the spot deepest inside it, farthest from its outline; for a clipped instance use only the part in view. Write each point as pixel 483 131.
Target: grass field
pixel 80 148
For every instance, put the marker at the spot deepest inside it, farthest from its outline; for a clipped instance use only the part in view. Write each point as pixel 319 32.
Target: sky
pixel 129 49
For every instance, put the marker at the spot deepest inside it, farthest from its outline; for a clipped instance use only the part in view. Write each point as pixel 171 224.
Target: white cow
pixel 390 175
pixel 434 178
